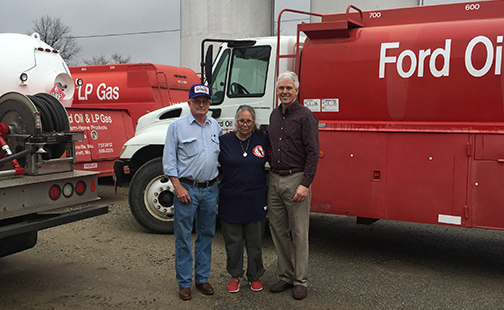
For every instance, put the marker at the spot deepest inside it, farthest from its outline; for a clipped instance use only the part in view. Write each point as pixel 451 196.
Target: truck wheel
pixel 150 200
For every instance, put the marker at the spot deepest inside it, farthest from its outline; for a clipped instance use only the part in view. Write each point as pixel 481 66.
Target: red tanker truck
pixel 410 105
pixel 109 100
pixel 411 113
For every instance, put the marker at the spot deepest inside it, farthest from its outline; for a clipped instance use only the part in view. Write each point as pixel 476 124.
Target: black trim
pixel 43 221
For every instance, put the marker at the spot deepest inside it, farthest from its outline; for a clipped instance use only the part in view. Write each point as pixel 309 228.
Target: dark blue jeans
pixel 203 210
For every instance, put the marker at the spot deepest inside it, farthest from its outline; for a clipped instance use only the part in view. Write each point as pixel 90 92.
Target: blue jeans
pixel 203 209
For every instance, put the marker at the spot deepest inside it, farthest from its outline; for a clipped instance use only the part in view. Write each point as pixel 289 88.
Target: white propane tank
pixel 29 66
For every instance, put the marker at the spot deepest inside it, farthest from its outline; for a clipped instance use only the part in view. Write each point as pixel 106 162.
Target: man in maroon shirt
pixel 293 134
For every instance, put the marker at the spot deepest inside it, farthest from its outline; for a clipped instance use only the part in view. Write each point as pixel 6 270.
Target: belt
pixel 198 184
pixel 287 172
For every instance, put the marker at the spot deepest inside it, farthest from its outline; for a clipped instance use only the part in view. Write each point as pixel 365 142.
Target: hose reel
pixel 36 122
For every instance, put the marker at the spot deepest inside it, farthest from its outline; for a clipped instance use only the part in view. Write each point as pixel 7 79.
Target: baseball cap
pixel 199 90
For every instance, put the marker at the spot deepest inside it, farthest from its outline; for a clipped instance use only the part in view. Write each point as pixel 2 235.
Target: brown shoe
pixel 184 293
pixel 205 288
pixel 279 286
pixel 300 292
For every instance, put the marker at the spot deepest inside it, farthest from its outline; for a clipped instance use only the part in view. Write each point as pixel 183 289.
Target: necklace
pixel 246 148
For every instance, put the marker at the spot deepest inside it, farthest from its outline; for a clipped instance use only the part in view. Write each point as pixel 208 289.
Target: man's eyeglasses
pixel 242 122
pixel 200 101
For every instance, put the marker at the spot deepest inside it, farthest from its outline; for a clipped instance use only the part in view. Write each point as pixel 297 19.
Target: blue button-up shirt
pixel 191 151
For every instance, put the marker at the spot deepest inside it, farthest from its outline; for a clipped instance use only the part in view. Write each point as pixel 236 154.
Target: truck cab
pixel 243 72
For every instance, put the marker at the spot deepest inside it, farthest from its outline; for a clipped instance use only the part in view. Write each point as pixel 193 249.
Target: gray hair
pixel 289 75
pixel 245 107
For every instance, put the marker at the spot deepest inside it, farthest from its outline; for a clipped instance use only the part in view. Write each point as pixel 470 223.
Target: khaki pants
pixel 289 224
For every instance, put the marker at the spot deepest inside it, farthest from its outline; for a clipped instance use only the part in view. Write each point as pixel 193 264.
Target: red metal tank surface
pixel 423 64
pixel 411 110
pixel 138 88
pixel 111 99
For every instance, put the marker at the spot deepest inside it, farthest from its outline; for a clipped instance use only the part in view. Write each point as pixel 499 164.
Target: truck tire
pixel 151 200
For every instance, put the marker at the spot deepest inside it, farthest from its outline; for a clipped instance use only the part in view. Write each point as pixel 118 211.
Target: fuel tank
pixel 138 87
pixel 29 66
pixel 432 65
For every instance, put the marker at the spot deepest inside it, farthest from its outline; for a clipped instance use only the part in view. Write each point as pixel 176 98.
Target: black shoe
pixel 184 293
pixel 205 288
pixel 279 286
pixel 300 292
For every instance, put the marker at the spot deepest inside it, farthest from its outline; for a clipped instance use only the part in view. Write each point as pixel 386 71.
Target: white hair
pixel 289 75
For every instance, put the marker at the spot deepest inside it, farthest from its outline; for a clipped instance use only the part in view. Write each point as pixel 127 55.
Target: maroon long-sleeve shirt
pixel 294 140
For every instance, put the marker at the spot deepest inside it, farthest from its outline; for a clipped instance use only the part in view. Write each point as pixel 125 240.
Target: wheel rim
pixel 158 199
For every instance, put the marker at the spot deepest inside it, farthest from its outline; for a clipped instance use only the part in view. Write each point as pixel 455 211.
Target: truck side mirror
pixel 216 113
pixel 208 65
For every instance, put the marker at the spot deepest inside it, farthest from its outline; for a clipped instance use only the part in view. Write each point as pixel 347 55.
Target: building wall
pixel 232 19
pixel 222 19
pixel 338 6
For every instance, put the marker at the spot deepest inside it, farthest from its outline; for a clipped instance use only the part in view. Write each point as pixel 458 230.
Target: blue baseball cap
pixel 199 90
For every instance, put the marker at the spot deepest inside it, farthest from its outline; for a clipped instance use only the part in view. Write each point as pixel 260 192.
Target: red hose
pixel 4 129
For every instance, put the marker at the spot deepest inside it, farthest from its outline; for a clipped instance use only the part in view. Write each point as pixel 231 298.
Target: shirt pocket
pixel 189 147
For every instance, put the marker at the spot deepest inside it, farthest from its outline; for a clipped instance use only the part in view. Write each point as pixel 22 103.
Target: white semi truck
pixel 151 199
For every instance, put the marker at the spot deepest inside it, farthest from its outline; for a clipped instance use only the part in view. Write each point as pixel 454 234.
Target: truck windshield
pixel 249 68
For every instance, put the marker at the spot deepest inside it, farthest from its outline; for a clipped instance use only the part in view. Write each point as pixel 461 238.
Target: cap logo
pixel 201 89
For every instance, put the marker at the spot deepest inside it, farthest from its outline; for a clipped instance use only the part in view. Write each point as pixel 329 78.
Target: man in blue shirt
pixel 190 162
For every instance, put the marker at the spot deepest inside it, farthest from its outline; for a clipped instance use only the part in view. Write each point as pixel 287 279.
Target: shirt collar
pixel 293 107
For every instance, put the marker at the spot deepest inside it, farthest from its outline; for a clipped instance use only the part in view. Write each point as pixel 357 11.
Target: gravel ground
pixel 111 262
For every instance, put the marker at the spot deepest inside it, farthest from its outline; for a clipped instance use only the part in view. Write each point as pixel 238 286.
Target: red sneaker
pixel 256 285
pixel 234 286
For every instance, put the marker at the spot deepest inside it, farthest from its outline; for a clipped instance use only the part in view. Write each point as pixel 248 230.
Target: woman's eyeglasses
pixel 242 122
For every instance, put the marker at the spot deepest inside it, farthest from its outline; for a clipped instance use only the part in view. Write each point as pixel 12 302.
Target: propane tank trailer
pixel 37 177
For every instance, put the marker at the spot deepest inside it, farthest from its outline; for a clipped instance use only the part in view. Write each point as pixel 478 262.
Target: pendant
pixel 245 154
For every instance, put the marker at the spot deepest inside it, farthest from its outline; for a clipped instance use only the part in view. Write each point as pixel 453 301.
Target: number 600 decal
pixel 472 7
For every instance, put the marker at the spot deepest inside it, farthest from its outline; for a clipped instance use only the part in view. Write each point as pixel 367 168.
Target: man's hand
pixel 301 193
pixel 180 191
